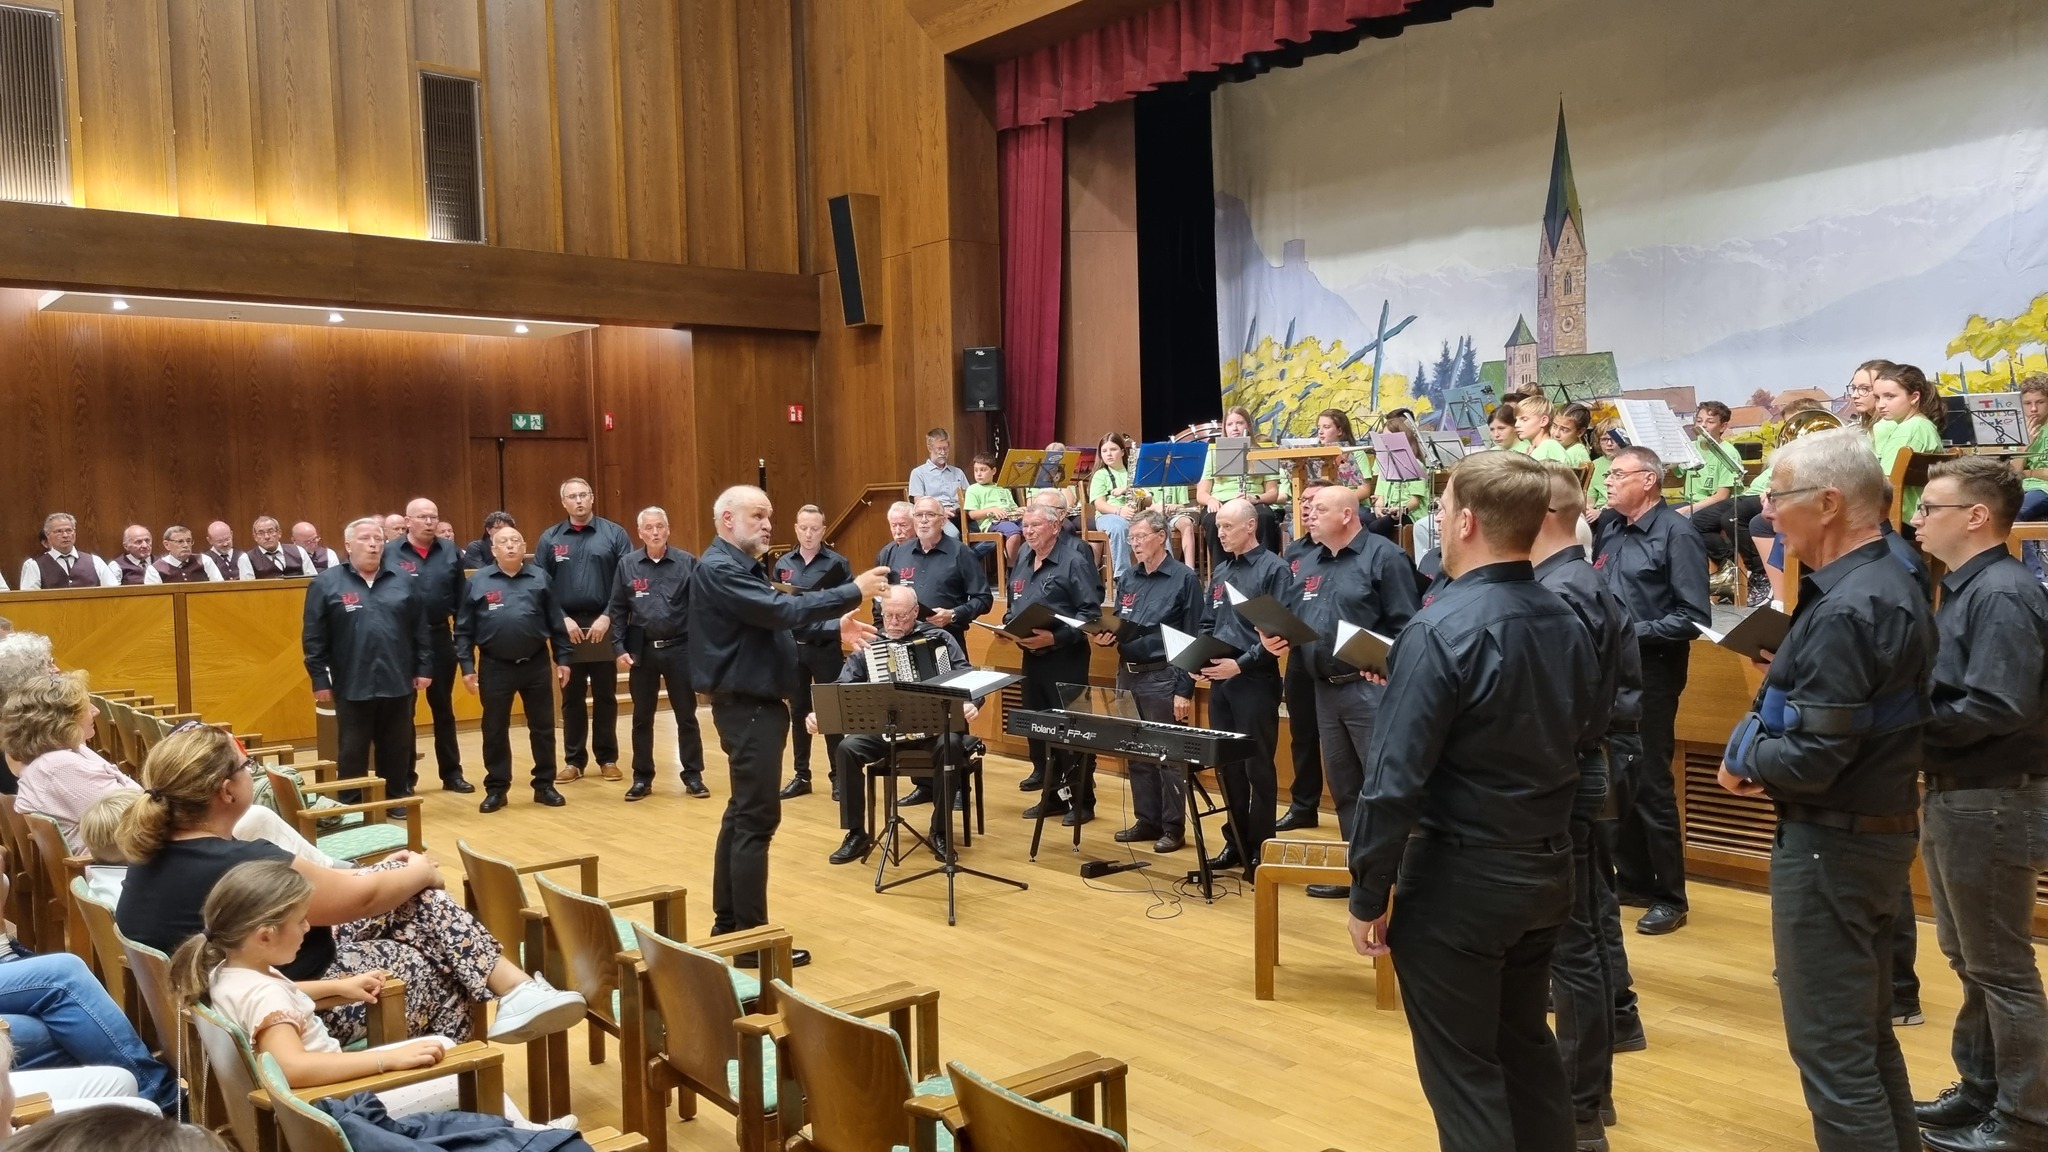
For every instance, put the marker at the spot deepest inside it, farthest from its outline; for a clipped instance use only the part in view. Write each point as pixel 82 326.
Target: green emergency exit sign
pixel 528 422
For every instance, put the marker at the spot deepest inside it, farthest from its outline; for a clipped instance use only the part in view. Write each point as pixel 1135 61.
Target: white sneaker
pixel 534 1009
pixel 565 1123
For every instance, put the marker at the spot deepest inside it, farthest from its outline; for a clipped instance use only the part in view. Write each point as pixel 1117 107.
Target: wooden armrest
pixel 889 998
pixel 393 988
pixel 586 865
pixel 366 806
pixel 158 710
pixel 279 753
pixel 374 785
pixel 317 771
pixel 31 1107
pixel 1081 1070
pixel 650 895
pixel 470 1057
pixel 745 941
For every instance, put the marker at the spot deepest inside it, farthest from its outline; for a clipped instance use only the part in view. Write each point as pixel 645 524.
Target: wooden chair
pixel 686 999
pixel 1909 470
pixel 1010 1115
pixel 176 1045
pixel 969 536
pixel 55 923
pixel 374 838
pixel 587 944
pixel 852 1077
pixel 1284 861
pixel 21 873
pixel 98 918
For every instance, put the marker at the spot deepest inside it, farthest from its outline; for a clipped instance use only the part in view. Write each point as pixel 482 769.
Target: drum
pixel 1205 433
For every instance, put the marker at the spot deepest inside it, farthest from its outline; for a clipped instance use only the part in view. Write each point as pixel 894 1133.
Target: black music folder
pixel 1761 631
pixel 1363 648
pixel 1193 653
pixel 1271 617
pixel 1029 619
pixel 1115 625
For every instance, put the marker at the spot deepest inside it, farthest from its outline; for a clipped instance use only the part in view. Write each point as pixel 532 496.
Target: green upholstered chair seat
pixel 363 840
pixel 940 1085
pixel 744 983
pixel 768 1077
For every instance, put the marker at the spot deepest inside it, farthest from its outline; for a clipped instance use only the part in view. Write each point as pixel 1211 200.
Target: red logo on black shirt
pixel 1427 600
pixel 494 596
pixel 1016 587
pixel 411 569
pixel 1294 566
pixel 786 575
pixel 1600 561
pixel 1216 594
pixel 351 598
pixel 907 572
pixel 1130 600
pixel 640 585
pixel 561 551
pixel 1312 583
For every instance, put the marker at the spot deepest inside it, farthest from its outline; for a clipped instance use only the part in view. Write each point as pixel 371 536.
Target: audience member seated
pixel 137 562
pixel 937 478
pixel 477 553
pixel 307 538
pixel 272 558
pixel 393 917
pixel 993 508
pixel 23 656
pixel 71 1040
pixel 61 564
pixel 220 548
pixel 179 565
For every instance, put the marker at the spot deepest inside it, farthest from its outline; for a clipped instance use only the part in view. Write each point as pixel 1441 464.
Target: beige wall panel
pixel 124 639
pixel 523 180
pixel 447 33
pixel 651 128
pixel 382 188
pixel 713 185
pixel 587 119
pixel 247 664
pixel 211 89
pixel 767 112
pixel 298 154
pixel 123 117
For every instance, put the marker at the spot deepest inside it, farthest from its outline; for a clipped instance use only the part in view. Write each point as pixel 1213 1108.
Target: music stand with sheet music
pixel 888 711
pixel 1395 457
pixel 1169 464
pixel 1441 451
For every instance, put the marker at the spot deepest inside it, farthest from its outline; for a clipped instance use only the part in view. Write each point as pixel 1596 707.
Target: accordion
pixel 908 660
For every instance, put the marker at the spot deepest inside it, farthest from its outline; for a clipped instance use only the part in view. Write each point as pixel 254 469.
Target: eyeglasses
pixel 1613 472
pixel 1778 495
pixel 1928 506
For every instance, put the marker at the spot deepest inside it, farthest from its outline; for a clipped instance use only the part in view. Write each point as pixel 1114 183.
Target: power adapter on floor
pixel 1097 869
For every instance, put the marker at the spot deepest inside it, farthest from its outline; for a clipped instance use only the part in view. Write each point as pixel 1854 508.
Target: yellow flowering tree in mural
pixel 1284 387
pixel 1987 338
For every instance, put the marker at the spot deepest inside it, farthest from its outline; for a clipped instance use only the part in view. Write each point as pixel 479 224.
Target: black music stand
pixel 888 710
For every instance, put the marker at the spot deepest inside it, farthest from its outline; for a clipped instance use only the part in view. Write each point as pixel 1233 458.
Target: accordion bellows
pixel 908 660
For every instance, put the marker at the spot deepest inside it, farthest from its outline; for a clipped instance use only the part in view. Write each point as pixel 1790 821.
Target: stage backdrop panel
pixel 1730 196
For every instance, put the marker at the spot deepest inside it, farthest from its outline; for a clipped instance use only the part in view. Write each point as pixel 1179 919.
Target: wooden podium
pixel 1296 461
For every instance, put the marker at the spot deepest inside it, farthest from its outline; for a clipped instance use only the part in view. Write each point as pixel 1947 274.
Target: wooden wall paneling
pixel 551 377
pixel 973 210
pixel 448 34
pixel 852 425
pixel 977 270
pixel 212 79
pixel 586 59
pixel 246 663
pixel 767 114
pixel 1099 313
pixel 743 385
pixel 298 151
pixel 534 471
pixel 122 118
pixel 382 175
pixel 651 128
pixel 714 192
pixel 123 639
pixel 644 380
pixel 523 181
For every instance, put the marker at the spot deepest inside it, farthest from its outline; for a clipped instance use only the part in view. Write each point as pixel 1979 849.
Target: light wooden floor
pixel 1127 971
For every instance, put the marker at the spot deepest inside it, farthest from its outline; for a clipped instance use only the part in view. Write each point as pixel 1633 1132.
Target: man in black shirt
pixel 581 558
pixel 1304 747
pixel 1654 560
pixel 742 652
pixel 1470 783
pixel 808 567
pixel 1834 738
pixel 435 570
pixel 650 614
pixel 1069 584
pixel 948 576
pixel 367 650
pixel 507 628
pixel 1244 690
pixel 1156 590
pixel 1985 837
pixel 478 554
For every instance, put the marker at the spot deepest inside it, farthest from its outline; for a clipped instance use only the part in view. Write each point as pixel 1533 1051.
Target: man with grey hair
pixel 61 564
pixel 1834 739
pixel 436 572
pixel 743 652
pixel 180 564
pixel 273 558
pixel 136 563
pixel 580 555
pixel 367 649
pixel 220 549
pixel 901 529
pixel 650 613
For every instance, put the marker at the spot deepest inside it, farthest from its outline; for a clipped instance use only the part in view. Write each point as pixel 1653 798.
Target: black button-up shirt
pixel 828 569
pixel 1170 594
pixel 947 575
pixel 740 638
pixel 364 640
pixel 1256 573
pixel 1368 582
pixel 650 599
pixel 1068 584
pixel 581 564
pixel 1861 633
pixel 1489 692
pixel 477 555
pixel 1658 566
pixel 1990 691
pixel 1613 630
pixel 434 575
pixel 511 617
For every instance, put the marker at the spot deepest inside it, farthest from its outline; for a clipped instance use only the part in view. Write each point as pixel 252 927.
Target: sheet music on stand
pixel 1441 451
pixel 1233 458
pixel 1997 419
pixel 1169 464
pixel 1653 425
pixel 1395 456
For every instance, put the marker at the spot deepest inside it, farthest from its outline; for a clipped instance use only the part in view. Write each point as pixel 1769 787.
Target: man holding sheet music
pixel 1244 690
pixel 1065 582
pixel 952 589
pixel 1155 590
pixel 1351 577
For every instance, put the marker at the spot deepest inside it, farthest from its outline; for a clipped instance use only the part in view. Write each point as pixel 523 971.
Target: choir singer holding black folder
pixel 1244 690
pixel 1066 582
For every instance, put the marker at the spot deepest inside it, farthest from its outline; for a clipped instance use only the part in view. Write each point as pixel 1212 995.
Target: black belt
pixel 522 660
pixel 1141 669
pixel 668 643
pixel 1459 840
pixel 1346 678
pixel 1948 781
pixel 1854 822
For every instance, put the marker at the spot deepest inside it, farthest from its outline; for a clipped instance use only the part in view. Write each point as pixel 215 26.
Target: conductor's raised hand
pixel 1370 936
pixel 872 582
pixel 855 632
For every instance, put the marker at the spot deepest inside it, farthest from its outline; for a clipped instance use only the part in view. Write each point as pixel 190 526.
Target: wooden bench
pixel 1303 862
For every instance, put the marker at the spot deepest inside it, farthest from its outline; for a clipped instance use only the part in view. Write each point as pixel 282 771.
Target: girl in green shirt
pixel 1907 406
pixel 1569 430
pixel 1109 491
pixel 2033 469
pixel 1399 501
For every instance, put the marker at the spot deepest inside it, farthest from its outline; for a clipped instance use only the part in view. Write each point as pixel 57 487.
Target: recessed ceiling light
pixel 520 329
pixel 322 315
pixel 120 305
pixel 334 317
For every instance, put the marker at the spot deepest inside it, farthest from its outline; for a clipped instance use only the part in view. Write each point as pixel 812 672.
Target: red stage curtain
pixel 1160 46
pixel 1032 173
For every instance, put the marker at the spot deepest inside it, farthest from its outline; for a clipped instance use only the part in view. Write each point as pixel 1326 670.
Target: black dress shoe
pixel 1226 859
pixel 1297 818
pixel 1329 891
pixel 548 796
pixel 1956 1107
pixel 1993 1134
pixel 1608 1116
pixel 1076 817
pixel 492 802
pixel 1170 842
pixel 1629 1037
pixel 922 794
pixel 798 958
pixel 1661 920
pixel 1589 1136
pixel 854 847
pixel 457 784
pixel 942 847
pixel 800 785
pixel 1136 833
pixel 1031 783
pixel 694 785
pixel 1046 809
pixel 640 790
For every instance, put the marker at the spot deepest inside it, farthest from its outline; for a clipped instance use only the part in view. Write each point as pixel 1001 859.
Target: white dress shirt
pixel 32 573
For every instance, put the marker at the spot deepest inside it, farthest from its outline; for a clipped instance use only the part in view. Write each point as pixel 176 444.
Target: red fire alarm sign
pixel 607 421
pixel 796 413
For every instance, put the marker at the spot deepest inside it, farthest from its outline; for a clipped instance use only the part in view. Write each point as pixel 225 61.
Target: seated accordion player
pixel 908 660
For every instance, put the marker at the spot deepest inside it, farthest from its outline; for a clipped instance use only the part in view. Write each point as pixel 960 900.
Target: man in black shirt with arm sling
pixel 509 638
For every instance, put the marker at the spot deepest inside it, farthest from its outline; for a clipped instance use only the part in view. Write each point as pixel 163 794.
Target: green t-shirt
pixel 1521 446
pixel 1596 484
pixel 1577 456
pixel 1105 480
pixel 987 496
pixel 1915 433
pixel 1760 485
pixel 1550 450
pixel 1396 493
pixel 1718 469
pixel 2037 457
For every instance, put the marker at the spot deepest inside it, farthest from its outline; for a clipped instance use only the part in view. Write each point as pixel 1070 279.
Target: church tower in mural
pixel 1561 260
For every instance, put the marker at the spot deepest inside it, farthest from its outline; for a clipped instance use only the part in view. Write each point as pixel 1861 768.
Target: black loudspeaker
pixel 982 379
pixel 856 245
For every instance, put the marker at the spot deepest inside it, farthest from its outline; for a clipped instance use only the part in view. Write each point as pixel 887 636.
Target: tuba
pixel 1804 423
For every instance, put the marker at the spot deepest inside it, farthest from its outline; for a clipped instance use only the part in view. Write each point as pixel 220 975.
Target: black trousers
pixel 1044 671
pixel 1304 738
pixel 497 682
pixel 815 664
pixel 1473 931
pixel 1650 856
pixel 385 724
pixel 653 669
pixel 1249 704
pixel 864 750
pixel 1158 793
pixel 752 731
pixel 595 728
pixel 1582 985
pixel 441 702
pixel 1622 753
pixel 1713 524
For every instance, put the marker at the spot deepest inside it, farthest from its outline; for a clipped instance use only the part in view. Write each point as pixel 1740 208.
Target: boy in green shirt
pixel 992 508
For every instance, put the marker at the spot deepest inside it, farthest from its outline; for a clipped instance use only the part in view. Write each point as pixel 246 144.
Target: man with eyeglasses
pixel 581 555
pixel 1834 740
pixel 1654 560
pixel 1985 813
pixel 952 590
pixel 367 650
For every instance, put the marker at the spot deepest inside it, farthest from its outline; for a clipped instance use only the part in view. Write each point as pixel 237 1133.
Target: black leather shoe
pixel 854 847
pixel 1170 842
pixel 1608 1116
pixel 1956 1107
pixel 1226 859
pixel 640 790
pixel 1661 920
pixel 1297 818
pixel 1076 817
pixel 1329 891
pixel 694 785
pixel 799 785
pixel 1994 1134
pixel 922 794
pixel 942 847
pixel 798 958
pixel 1135 833
pixel 1629 1037
pixel 1046 809
pixel 492 802
pixel 548 796
pixel 1589 1136
pixel 457 784
pixel 1031 783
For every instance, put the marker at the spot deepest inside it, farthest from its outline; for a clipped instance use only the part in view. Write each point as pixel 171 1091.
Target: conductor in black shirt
pixel 1469 786
pixel 1834 739
pixel 508 636
pixel 366 647
pixel 743 654
pixel 581 557
pixel 650 613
